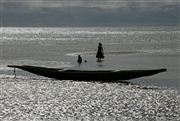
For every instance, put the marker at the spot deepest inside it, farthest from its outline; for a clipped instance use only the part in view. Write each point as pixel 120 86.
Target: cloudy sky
pixel 90 13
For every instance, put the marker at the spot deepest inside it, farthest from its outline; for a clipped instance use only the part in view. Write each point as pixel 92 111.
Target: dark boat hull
pixel 82 75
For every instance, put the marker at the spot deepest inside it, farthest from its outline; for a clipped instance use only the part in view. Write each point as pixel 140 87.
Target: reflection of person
pixel 79 59
pixel 100 53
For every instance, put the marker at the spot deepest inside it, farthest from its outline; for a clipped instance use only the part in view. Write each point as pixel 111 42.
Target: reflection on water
pixel 124 48
pixel 30 97
pixel 42 99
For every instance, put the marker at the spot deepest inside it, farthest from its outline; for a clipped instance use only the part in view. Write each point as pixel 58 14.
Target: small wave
pixel 91 53
pixel 21 77
pixel 5 76
pixel 161 51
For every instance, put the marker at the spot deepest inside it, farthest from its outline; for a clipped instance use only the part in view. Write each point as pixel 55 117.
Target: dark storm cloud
pixel 89 12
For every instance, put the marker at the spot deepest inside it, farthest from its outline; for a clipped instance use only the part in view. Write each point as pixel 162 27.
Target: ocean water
pixel 124 48
pixel 31 97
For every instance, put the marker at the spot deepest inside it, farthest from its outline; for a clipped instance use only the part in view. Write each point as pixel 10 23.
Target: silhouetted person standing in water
pixel 79 59
pixel 100 53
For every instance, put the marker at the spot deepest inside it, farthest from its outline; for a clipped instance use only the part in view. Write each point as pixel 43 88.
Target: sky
pixel 85 13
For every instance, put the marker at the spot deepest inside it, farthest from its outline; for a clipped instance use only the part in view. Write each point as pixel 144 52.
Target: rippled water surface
pixel 31 97
pixel 43 99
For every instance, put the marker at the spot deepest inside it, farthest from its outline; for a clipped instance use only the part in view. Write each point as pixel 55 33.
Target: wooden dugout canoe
pixel 88 75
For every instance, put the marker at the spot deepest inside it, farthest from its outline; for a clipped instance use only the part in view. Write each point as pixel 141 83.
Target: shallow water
pixel 31 97
pixel 45 99
pixel 125 48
